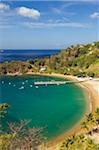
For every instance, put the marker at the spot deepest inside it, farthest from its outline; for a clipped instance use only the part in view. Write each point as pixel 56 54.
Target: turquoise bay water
pixel 56 107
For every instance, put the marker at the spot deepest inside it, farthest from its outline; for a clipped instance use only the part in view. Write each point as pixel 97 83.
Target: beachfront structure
pixel 43 69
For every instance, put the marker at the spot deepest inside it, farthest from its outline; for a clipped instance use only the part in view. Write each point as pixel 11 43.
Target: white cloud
pixel 54 25
pixel 4 7
pixel 27 12
pixel 95 15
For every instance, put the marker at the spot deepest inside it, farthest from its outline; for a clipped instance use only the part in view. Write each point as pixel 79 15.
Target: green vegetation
pixel 19 136
pixel 3 109
pixel 79 142
pixel 14 67
pixel 79 60
pixel 84 140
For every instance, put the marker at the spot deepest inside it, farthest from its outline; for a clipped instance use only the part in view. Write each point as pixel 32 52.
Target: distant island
pixel 79 60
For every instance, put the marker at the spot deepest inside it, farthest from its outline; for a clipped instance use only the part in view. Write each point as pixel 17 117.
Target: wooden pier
pixel 55 82
pixel 59 82
pixel 50 83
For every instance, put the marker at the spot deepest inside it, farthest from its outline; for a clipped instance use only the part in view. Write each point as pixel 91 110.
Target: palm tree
pixel 85 126
pixel 89 122
pixel 69 144
pixel 80 142
pixel 97 116
pixel 90 145
pixel 91 119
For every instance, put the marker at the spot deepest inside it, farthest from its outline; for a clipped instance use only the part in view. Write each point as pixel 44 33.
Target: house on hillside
pixel 43 69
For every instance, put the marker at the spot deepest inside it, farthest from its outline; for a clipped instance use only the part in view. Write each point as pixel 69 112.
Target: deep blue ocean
pixel 24 55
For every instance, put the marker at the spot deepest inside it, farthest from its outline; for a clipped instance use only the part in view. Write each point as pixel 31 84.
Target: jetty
pixel 49 82
pixel 59 82
pixel 54 82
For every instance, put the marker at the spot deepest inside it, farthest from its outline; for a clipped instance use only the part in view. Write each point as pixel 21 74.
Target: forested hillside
pixel 79 60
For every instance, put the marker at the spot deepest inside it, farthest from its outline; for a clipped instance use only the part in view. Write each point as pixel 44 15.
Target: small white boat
pixel 9 83
pixel 23 83
pixel 2 82
pixel 14 85
pixel 21 88
pixel 36 87
pixel 26 81
pixel 31 85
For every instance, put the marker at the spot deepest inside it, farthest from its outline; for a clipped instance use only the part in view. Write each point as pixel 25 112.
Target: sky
pixel 48 24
